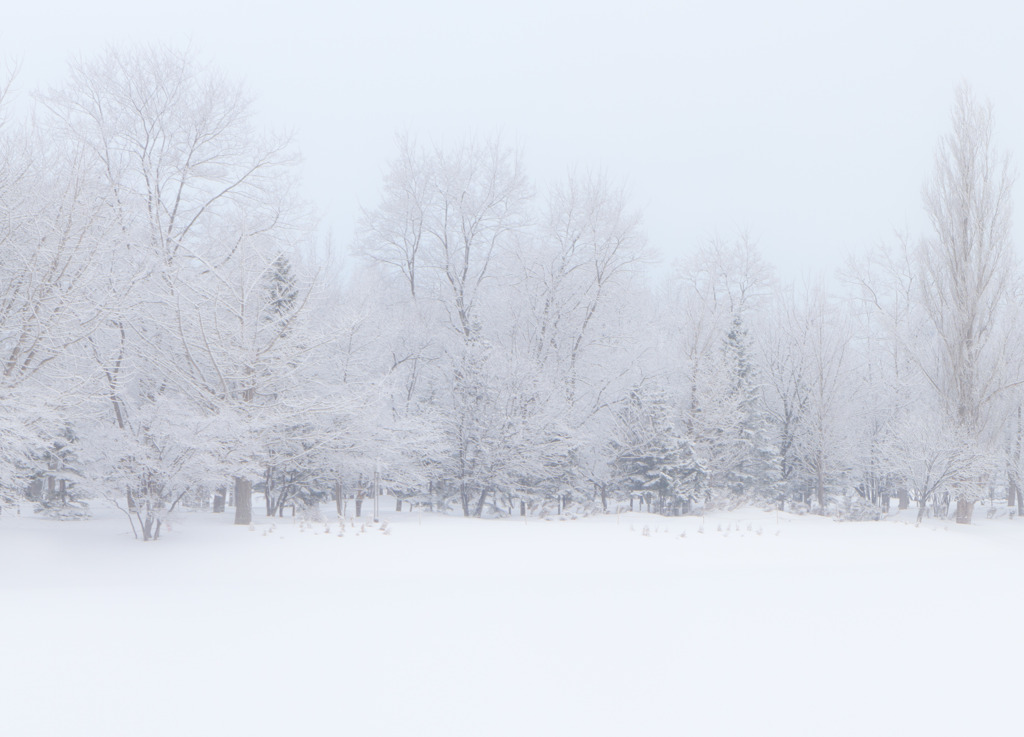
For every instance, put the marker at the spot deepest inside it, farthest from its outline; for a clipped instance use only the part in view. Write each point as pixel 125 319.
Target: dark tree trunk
pixel 522 508
pixel 359 507
pixel 151 530
pixel 268 493
pixel 1018 448
pixel 820 486
pixel 218 499
pixel 147 529
pixel 964 511
pixel 35 490
pixel 480 503
pixel 337 498
pixel 398 504
pixel 243 501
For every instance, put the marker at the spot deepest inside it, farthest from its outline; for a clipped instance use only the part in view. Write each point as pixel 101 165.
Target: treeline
pixel 168 336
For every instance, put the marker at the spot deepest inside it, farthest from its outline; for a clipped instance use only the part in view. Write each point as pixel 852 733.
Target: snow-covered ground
pixel 446 626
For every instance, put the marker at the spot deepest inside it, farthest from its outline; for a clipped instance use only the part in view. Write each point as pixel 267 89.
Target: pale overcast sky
pixel 810 125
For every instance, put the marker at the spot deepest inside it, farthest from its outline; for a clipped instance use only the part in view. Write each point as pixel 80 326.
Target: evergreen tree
pixel 752 472
pixel 281 290
pixel 652 459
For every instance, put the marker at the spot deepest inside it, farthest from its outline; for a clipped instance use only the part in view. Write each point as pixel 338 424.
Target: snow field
pixel 448 626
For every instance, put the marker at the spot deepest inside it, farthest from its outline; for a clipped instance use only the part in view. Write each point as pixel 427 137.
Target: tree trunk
pixel 35 490
pixel 243 501
pixel 820 486
pixel 480 503
pixel 522 508
pixel 147 528
pixel 964 511
pixel 218 499
pixel 268 493
pixel 376 497
pixel 337 498
pixel 359 507
pixel 398 504
pixel 904 498
pixel 151 528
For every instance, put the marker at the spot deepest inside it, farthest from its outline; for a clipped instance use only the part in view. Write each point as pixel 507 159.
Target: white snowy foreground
pixel 447 626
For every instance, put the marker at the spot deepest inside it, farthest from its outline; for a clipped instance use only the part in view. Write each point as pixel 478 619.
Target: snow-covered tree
pixel 966 268
pixel 707 308
pixel 53 252
pixel 191 192
pixel 653 460
pixel 823 440
pixel 754 472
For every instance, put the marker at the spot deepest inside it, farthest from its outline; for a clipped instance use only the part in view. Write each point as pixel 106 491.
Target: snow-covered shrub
pixel 72 510
pixel 852 507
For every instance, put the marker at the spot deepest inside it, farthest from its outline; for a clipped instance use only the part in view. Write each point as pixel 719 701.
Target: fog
pixel 809 128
